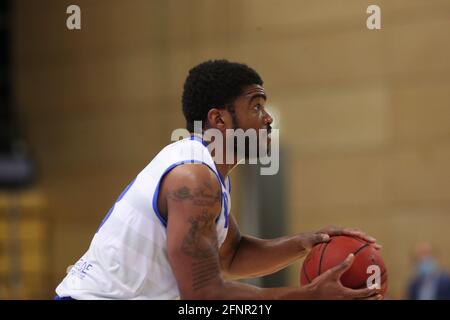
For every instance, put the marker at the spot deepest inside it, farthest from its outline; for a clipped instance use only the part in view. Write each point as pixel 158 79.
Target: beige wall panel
pixel 301 64
pixel 348 180
pixel 421 112
pixel 421 174
pixel 77 86
pixel 337 119
pixel 108 28
pixel 419 48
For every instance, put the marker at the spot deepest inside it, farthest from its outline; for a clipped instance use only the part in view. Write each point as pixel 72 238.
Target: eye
pixel 257 107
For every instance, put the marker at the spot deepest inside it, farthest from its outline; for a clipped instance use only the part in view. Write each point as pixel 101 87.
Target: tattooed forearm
pixel 204 253
pixel 204 196
pixel 203 272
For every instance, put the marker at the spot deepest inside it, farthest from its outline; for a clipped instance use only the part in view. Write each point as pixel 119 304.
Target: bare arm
pixel 192 196
pixel 244 256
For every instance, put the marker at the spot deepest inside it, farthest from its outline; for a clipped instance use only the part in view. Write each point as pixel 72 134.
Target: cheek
pixel 247 120
pixel 230 121
pixel 257 121
pixel 261 117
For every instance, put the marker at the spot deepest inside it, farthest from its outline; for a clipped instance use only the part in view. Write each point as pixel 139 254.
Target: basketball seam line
pixel 321 257
pixel 360 248
pixel 306 275
pixel 305 265
pixel 356 252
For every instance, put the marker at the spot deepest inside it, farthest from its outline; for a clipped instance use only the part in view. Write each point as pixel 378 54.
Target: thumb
pixel 320 237
pixel 340 269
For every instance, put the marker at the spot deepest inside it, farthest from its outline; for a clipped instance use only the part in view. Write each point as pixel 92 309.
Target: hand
pixel 310 239
pixel 338 231
pixel 327 286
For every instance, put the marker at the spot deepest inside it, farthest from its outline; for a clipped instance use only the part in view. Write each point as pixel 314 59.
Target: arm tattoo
pixel 181 194
pixel 205 258
pixel 203 196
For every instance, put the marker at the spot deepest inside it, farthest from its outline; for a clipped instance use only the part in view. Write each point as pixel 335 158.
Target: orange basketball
pixel 367 262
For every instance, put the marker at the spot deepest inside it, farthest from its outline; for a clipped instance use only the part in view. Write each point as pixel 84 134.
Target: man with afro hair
pixel 170 233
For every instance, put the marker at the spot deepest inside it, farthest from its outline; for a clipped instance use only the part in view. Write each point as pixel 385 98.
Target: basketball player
pixel 170 234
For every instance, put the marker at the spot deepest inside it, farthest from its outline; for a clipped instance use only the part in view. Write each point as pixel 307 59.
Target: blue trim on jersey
pixel 63 298
pixel 118 199
pixel 225 210
pixel 196 138
pixel 155 195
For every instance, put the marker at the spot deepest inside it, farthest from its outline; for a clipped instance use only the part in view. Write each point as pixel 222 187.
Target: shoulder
pixel 191 184
pixel 187 145
pixel 192 174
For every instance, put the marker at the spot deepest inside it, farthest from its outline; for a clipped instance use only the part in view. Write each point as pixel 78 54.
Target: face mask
pixel 426 267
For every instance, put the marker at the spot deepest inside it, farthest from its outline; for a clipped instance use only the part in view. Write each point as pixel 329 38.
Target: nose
pixel 267 118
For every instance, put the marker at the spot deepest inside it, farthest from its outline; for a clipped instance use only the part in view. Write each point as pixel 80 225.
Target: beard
pixel 251 150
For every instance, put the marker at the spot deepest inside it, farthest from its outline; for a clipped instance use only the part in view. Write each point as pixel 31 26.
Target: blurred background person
pixel 429 282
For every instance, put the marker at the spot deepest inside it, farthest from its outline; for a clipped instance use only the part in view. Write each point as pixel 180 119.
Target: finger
pixel 348 232
pixel 359 234
pixel 331 230
pixel 365 293
pixel 321 237
pixel 316 238
pixel 367 238
pixel 338 270
pixel 377 246
pixel 309 240
pixel 374 297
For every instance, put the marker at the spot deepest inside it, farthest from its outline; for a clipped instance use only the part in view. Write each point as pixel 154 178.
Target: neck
pixel 225 169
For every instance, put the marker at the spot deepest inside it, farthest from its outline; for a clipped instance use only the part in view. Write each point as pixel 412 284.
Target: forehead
pixel 253 91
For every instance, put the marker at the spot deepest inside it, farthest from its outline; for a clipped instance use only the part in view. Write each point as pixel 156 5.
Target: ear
pixel 216 119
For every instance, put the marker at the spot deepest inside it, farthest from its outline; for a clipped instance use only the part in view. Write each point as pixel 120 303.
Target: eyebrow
pixel 258 95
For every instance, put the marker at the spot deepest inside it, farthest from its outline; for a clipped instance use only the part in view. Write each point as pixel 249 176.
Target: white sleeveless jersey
pixel 127 258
